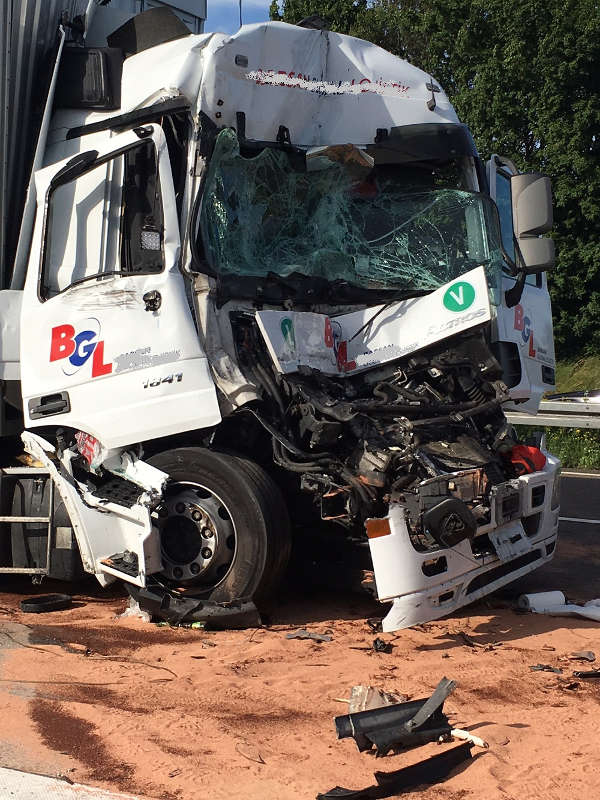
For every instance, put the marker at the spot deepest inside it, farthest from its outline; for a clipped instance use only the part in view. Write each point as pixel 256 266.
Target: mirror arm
pixel 513 295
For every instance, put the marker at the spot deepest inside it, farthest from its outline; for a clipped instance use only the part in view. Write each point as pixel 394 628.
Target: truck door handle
pixel 49 404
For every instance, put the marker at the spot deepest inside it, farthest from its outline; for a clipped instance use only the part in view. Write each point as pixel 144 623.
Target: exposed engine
pixel 427 431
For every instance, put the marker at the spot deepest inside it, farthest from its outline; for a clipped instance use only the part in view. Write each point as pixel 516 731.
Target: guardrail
pixel 559 414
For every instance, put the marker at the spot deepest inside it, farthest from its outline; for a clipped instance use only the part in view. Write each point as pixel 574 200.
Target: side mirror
pixel 532 216
pixel 537 254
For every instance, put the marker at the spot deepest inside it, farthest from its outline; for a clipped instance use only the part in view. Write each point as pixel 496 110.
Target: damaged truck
pixel 267 298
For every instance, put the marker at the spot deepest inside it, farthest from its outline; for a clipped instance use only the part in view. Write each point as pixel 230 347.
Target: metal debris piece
pixel 592 673
pixel 545 668
pixel 366 698
pixel 400 725
pixel 583 655
pixel 301 633
pixel 381 646
pixel 390 784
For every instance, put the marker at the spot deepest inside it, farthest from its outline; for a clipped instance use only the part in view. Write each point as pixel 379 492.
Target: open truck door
pixel 108 343
pixel 525 341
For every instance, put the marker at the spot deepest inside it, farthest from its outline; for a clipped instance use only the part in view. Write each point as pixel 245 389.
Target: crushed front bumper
pixel 427 585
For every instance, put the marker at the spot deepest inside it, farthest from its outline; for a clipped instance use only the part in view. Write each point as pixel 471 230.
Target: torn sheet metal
pixel 400 725
pixel 114 541
pixel 366 698
pixel 296 339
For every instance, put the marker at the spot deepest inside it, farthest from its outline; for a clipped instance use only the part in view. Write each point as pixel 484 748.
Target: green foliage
pixel 583 373
pixel 577 448
pixel 525 76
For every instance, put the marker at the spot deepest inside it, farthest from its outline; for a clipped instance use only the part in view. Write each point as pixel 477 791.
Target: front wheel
pixel 224 528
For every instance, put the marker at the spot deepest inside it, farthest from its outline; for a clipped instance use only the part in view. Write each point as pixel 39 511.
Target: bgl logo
pixel 77 347
pixel 523 324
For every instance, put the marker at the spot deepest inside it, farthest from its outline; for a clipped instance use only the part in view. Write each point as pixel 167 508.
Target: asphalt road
pixel 575 568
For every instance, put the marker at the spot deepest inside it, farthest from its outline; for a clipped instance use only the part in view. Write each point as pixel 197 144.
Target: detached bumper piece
pixel 175 609
pixel 389 784
pixel 400 725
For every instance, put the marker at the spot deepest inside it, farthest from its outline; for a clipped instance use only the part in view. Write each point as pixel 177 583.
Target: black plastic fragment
pixel 590 673
pixel 392 783
pixel 400 725
pixel 174 609
pixel 545 668
pixel 46 602
pixel 381 646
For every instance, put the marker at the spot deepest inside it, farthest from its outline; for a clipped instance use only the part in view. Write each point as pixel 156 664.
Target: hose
pixel 398 409
pixel 316 458
pixel 472 412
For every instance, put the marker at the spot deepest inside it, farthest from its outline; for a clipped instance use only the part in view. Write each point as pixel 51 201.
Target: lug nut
pixel 180 508
pixel 196 516
pixel 206 552
pixel 177 572
pixel 194 568
pixel 207 533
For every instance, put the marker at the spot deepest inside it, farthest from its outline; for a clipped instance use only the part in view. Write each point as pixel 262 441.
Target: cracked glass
pixel 410 227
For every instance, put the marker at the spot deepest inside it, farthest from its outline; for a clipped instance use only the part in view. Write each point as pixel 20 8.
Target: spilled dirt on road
pixel 185 714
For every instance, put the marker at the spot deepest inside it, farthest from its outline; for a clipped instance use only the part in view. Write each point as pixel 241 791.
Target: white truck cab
pixel 276 281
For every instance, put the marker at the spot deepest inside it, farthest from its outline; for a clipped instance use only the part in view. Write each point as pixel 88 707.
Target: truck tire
pixel 224 527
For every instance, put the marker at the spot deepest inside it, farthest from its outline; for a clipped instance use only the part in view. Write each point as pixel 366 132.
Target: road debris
pixel 302 633
pixel 134 610
pixel 545 668
pixel 582 655
pixel 555 604
pixel 390 784
pixel 470 642
pixel 467 736
pixel 381 646
pixel 400 725
pixel 42 603
pixel 592 673
pixel 366 698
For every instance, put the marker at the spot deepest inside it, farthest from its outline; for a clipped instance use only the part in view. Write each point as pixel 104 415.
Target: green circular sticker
pixel 459 296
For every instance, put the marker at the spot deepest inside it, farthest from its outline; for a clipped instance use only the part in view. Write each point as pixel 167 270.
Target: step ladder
pixel 31 472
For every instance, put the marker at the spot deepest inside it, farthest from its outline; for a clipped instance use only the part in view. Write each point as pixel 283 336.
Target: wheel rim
pixel 197 535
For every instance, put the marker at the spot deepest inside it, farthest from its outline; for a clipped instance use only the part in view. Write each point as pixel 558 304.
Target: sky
pixel 224 15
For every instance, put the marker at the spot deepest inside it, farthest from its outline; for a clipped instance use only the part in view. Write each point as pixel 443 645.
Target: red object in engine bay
pixel 526 459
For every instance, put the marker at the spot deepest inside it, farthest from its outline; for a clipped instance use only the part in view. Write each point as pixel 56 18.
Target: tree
pixel 525 76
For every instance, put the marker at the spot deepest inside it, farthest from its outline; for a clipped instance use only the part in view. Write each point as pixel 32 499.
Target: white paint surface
pixel 25 786
pixel 298 338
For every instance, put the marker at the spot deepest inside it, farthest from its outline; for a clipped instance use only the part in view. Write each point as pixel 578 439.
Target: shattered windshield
pixel 405 226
